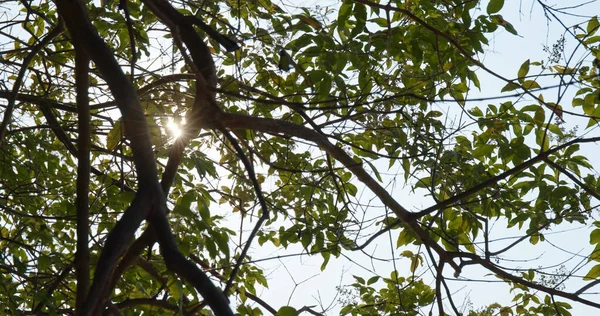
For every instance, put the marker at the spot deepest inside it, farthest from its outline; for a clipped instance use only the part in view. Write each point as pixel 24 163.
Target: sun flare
pixel 175 128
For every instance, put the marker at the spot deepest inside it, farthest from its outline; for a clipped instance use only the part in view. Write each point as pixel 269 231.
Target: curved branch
pixel 201 111
pixel 238 121
pixel 150 196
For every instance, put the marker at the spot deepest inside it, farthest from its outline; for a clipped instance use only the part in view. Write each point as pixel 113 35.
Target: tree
pixel 286 116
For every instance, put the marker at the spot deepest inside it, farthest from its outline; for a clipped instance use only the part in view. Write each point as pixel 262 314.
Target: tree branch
pixel 235 121
pixel 82 256
pixel 149 196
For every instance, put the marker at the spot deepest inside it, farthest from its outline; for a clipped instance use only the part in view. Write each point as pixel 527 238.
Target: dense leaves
pixel 339 128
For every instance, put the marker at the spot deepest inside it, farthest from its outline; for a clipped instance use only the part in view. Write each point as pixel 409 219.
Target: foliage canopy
pixel 300 122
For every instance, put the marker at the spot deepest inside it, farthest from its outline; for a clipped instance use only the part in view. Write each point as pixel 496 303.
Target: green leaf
pixel 344 13
pixel 375 171
pixel 114 136
pixel 360 14
pixel 531 84
pixel 593 274
pixel 222 239
pixel 534 239
pixel 285 61
pixel 310 21
pixel 204 166
pixel 510 87
pixel 183 206
pixel 407 254
pixel 523 70
pixel 287 311
pixel 494 6
pixel 540 116
pixel 242 294
pixel 346 309
pixel 476 111
pixel 204 211
pixel 497 18
pixel 592 26
pixel 404 238
pixel 359 279
pixel 372 280
pixel 326 256
pixel 595 237
pixel 483 151
pixel 510 28
pixel 541 136
pixel 414 263
pixel 351 189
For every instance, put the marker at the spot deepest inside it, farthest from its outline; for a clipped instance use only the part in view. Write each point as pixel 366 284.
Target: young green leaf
pixel 523 70
pixel 494 6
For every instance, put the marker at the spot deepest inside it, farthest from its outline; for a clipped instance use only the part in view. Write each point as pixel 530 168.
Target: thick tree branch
pixel 82 256
pixel 150 195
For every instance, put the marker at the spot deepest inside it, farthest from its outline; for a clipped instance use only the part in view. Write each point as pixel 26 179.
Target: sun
pixel 175 128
